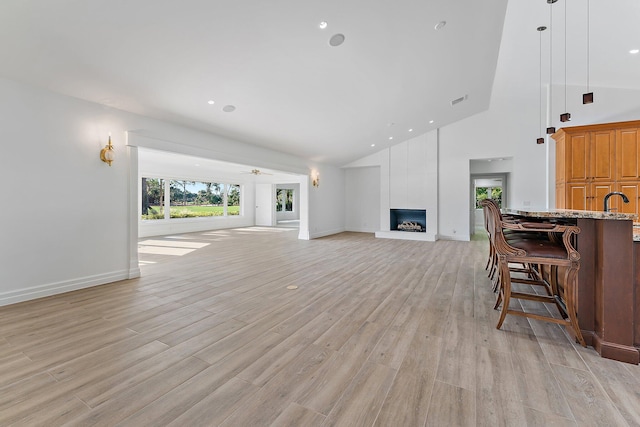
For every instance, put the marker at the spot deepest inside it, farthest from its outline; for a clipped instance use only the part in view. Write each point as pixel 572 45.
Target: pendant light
pixel 551 129
pixel 565 117
pixel 587 98
pixel 540 30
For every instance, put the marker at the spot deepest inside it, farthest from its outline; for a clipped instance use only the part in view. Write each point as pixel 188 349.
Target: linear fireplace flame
pixel 412 220
pixel 410 226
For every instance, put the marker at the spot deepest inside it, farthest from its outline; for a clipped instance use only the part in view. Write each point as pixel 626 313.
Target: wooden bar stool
pixel 492 261
pixel 527 247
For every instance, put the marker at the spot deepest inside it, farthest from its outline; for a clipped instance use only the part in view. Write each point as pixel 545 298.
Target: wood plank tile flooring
pixel 378 332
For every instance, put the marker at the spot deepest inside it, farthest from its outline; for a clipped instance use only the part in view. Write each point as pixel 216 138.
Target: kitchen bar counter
pixel 608 289
pixel 569 213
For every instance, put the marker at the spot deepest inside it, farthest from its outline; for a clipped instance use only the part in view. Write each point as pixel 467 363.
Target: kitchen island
pixel 608 280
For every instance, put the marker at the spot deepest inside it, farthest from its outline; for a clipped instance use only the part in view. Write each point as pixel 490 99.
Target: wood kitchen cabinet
pixel 628 154
pixel 594 160
pixel 586 196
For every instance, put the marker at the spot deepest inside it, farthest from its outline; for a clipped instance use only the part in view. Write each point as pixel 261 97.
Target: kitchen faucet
pixel 606 199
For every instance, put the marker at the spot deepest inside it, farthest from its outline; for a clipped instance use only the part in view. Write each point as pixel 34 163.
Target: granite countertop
pixel 568 213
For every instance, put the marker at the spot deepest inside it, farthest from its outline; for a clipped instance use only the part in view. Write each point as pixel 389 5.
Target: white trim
pixel 403 235
pixel 40 291
pixel 326 233
pixel 455 238
pixel 303 235
pixel 134 211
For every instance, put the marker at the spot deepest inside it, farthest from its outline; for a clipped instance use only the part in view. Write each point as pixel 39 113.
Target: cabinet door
pixel 628 154
pixel 597 193
pixel 561 197
pixel 577 196
pixel 561 160
pixel 631 191
pixel 577 157
pixel 602 147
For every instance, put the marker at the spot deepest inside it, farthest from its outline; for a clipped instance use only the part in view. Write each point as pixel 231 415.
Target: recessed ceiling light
pixel 634 51
pixel 440 25
pixel 211 102
pixel 229 108
pixel 373 145
pixel 390 138
pixel 323 25
pixel 430 121
pixel 410 130
pixel 336 39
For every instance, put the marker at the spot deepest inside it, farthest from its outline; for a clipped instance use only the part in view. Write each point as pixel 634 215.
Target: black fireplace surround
pixel 398 216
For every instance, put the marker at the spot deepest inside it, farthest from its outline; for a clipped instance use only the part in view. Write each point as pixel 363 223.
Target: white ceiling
pixel 293 91
pixel 162 164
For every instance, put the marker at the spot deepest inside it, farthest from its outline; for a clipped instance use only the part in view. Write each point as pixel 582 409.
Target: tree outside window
pixel 484 192
pixel 152 198
pixel 284 200
pixel 189 199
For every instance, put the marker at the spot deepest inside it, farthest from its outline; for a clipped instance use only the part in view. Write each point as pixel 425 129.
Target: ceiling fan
pixel 257 172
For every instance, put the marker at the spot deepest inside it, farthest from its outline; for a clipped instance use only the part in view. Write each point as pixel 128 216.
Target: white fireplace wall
pixel 408 178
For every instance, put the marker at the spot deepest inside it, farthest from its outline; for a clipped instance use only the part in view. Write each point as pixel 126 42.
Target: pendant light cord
pixel 588 41
pixel 551 59
pixel 565 56
pixel 540 78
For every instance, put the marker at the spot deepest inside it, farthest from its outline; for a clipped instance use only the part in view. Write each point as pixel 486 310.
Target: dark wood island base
pixel 608 300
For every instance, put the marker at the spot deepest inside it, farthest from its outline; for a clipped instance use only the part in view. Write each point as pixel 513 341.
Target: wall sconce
pixel 106 154
pixel 315 179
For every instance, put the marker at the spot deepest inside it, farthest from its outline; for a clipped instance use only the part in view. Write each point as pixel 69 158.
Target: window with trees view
pixel 152 198
pixel 189 199
pixel 284 200
pixel 488 193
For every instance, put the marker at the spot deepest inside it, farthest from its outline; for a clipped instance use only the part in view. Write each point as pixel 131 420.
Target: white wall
pixel 66 216
pixel 506 131
pixel 326 203
pixel 408 179
pixel 362 199
pixel 510 127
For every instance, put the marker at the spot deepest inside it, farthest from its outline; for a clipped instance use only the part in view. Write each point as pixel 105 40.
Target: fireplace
pixel 410 220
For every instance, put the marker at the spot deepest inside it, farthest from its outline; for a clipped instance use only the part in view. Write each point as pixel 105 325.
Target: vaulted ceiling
pixel 401 64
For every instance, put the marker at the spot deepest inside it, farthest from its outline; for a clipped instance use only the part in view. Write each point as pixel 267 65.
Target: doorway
pixel 486 186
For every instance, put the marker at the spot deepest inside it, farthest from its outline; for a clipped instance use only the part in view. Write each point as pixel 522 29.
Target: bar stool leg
pixel 505 291
pixel 570 297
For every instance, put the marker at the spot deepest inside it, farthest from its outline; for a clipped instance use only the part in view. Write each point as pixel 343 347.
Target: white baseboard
pixel 403 235
pixel 49 289
pixel 456 238
pixel 318 234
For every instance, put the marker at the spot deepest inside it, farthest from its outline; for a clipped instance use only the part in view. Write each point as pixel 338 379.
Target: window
pixel 153 198
pixel 484 192
pixel 284 200
pixel 233 199
pixel 188 199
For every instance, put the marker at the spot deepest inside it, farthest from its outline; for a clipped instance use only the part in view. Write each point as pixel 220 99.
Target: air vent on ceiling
pixel 459 100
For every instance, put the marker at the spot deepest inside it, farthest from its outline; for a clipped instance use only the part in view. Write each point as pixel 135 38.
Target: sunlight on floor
pixel 173 244
pixel 249 230
pixel 160 250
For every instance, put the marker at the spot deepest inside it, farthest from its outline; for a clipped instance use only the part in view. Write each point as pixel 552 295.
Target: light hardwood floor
pixel 378 333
